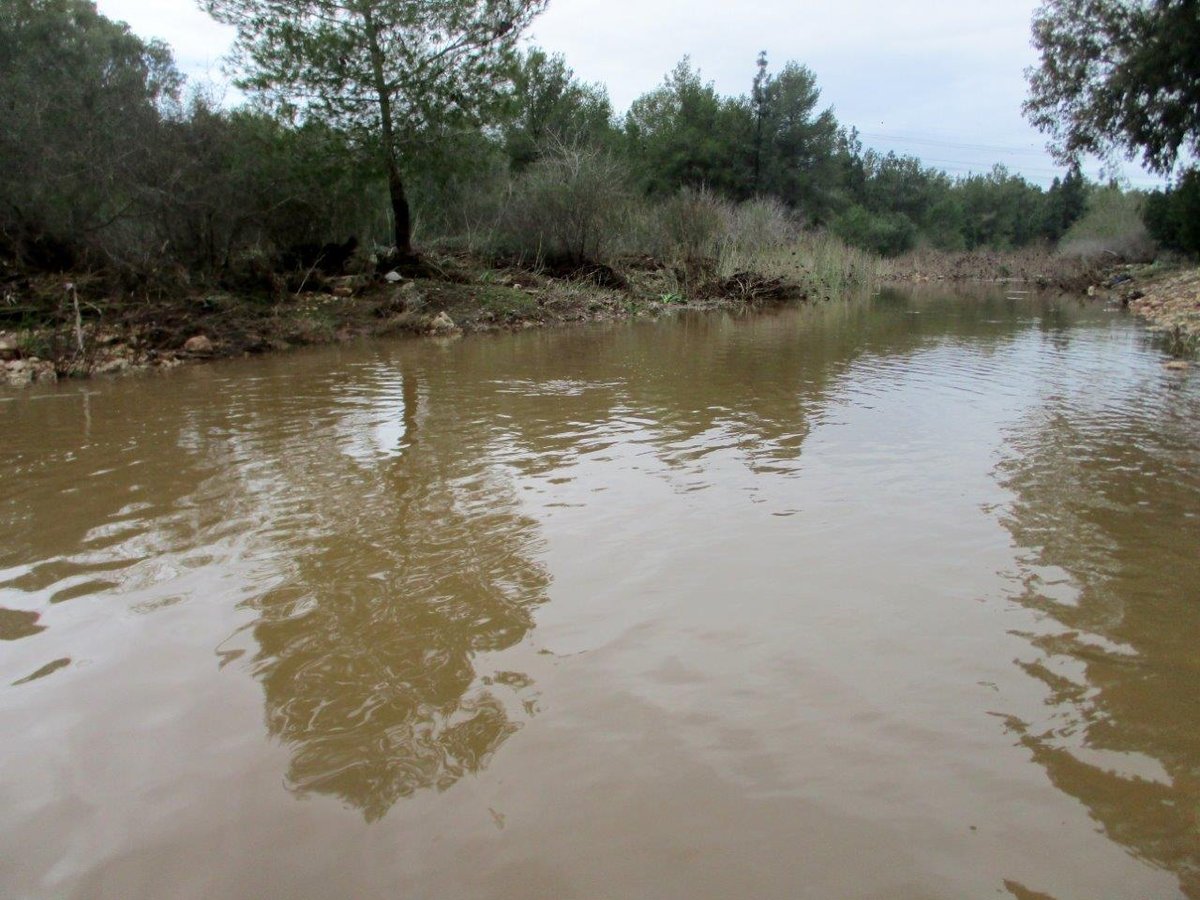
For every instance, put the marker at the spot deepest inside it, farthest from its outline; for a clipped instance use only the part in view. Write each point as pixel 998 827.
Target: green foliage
pixel 1118 74
pixel 567 208
pixel 683 134
pixel 240 181
pixel 371 103
pixel 1065 204
pixel 796 142
pixel 509 304
pixel 1112 225
pixel 82 99
pixel 1000 210
pixel 550 108
pixel 692 225
pixel 1173 216
pixel 885 233
pixel 396 73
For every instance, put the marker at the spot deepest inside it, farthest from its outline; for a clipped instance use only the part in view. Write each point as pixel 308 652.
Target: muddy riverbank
pixel 1040 266
pixel 62 327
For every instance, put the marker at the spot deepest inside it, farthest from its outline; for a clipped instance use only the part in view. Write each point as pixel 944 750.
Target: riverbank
pixel 1039 266
pixel 1168 298
pixel 62 327
pixel 54 327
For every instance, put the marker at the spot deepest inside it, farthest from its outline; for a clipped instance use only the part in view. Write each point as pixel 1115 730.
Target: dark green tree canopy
pixel 797 162
pixel 551 106
pixel 393 71
pixel 80 100
pixel 683 133
pixel 1118 75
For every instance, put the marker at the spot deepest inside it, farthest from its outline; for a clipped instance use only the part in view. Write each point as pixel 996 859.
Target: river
pixel 897 597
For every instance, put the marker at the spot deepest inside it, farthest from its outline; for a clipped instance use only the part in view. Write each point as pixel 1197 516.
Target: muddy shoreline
pixel 80 338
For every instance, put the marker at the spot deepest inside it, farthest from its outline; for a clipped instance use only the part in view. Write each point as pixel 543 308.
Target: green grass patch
pixel 505 302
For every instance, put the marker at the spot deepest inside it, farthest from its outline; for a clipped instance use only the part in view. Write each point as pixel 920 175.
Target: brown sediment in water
pixel 892 598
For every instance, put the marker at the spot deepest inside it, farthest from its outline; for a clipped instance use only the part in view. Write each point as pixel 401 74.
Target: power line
pixel 953 145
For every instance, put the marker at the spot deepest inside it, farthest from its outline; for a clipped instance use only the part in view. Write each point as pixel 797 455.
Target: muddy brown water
pixel 891 598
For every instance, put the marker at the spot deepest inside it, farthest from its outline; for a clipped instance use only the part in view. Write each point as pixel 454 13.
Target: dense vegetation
pixel 108 161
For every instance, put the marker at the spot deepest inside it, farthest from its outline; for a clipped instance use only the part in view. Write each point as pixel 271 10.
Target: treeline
pixel 106 160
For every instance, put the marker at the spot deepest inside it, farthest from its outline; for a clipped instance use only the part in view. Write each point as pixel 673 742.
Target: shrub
pixel 1111 226
pixel 567 207
pixel 761 225
pixel 888 234
pixel 693 225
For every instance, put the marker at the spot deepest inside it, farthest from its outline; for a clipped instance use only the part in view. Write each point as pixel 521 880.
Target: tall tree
pixel 1118 75
pixel 391 70
pixel 551 106
pixel 684 134
pixel 1066 202
pixel 799 144
pixel 758 102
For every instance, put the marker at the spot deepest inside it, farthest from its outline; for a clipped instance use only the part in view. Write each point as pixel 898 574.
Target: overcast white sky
pixel 941 79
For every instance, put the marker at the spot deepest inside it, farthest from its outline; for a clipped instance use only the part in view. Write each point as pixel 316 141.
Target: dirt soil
pixel 64 326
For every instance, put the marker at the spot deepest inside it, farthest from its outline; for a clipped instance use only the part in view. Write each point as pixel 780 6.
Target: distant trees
pixel 373 105
pixel 684 134
pixel 227 183
pixel 1065 204
pixel 774 142
pixel 1124 75
pixel 104 165
pixel 395 72
pixel 1173 216
pixel 798 142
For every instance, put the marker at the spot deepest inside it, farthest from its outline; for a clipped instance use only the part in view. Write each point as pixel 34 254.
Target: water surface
pixel 896 598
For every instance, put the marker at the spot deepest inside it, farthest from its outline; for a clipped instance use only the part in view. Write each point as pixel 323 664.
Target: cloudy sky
pixel 941 79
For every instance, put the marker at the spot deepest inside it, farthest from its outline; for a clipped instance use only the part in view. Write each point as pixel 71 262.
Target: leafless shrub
pixel 693 225
pixel 568 207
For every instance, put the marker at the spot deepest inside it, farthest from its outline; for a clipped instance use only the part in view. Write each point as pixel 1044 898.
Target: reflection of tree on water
pixel 1107 504
pixel 400 527
pixel 367 656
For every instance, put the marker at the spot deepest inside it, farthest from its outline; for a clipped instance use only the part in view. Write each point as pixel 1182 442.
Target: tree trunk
pixel 401 215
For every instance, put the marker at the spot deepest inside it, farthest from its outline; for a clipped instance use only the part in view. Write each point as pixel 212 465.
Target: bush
pixel 761 225
pixel 568 207
pixel 1112 226
pixel 888 234
pixel 83 98
pixel 692 225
